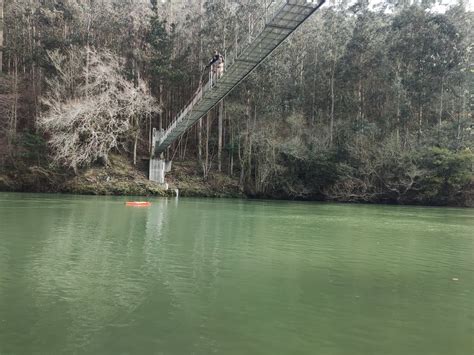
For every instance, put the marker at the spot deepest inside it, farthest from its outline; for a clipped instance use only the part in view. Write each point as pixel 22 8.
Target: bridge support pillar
pixel 158 166
pixel 157 170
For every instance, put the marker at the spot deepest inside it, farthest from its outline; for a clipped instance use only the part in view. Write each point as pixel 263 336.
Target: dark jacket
pixel 216 59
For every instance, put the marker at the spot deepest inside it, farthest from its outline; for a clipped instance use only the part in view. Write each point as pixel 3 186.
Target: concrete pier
pixel 157 170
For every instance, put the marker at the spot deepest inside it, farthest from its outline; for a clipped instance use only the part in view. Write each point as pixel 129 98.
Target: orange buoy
pixel 137 204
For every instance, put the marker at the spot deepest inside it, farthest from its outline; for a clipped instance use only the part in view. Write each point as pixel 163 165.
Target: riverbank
pixel 117 178
pixel 120 177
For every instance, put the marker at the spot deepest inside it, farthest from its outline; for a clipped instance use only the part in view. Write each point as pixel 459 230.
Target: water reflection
pixel 93 270
pixel 88 275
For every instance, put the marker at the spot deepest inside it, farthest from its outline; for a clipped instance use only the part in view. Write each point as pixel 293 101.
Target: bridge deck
pixel 286 17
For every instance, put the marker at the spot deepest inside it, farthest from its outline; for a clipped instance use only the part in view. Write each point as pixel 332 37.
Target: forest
pixel 365 102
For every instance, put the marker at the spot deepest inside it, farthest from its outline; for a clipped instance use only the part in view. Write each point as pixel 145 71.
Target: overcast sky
pixel 446 3
pixel 441 6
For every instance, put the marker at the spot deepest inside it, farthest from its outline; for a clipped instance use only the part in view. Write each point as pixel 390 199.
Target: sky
pixel 440 6
pixel 446 3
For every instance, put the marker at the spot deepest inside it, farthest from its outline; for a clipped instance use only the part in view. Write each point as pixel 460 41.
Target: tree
pixel 1 35
pixel 86 121
pixel 426 48
pixel 340 110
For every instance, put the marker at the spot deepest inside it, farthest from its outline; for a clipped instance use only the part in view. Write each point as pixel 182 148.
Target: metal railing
pixel 232 53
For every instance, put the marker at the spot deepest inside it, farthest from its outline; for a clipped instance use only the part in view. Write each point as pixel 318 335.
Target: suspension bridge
pixel 281 18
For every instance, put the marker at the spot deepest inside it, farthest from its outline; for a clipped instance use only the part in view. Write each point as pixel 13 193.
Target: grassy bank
pixel 186 177
pixel 119 177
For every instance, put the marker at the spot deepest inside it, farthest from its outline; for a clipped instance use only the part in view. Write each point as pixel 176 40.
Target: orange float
pixel 137 204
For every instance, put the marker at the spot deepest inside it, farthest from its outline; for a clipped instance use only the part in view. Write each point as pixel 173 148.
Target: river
pixel 88 275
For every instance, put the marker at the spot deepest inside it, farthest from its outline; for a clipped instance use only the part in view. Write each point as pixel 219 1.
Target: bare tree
pixel 87 121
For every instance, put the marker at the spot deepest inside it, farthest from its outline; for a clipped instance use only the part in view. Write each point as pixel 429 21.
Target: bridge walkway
pixel 280 20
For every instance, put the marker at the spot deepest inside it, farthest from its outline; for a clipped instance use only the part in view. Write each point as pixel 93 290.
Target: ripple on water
pixel 86 275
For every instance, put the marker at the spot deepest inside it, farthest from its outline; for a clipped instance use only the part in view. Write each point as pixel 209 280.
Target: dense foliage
pixel 362 103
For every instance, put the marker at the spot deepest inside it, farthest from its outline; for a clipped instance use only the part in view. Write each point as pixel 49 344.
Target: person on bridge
pixel 217 65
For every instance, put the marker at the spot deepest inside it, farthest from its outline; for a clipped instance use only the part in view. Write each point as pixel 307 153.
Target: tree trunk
pixel 398 116
pixel 221 104
pixel 360 116
pixel 219 142
pixel 185 146
pixel 231 150
pixel 206 160
pixel 150 134
pixel 462 115
pixel 331 123
pixel 249 139
pixel 14 112
pixel 135 144
pixel 254 127
pixel 420 123
pixel 160 116
pixel 313 104
pixel 89 22
pixel 1 35
pixel 199 133
pixel 440 109
pixel 199 126
pixel 242 165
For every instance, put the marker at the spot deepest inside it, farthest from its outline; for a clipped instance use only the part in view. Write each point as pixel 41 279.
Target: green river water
pixel 87 275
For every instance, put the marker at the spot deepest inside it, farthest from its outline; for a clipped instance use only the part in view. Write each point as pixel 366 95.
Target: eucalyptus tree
pixel 1 34
pixel 350 106
pixel 427 48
